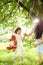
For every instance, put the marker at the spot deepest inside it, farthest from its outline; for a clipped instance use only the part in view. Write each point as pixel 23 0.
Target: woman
pixel 38 30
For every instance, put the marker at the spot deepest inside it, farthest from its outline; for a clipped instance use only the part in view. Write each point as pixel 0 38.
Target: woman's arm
pixel 41 42
pixel 31 32
pixel 28 34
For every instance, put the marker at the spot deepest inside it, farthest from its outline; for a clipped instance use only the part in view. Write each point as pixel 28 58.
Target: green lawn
pixel 6 57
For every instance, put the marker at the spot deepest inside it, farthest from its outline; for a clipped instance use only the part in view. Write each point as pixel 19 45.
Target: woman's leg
pixel 40 58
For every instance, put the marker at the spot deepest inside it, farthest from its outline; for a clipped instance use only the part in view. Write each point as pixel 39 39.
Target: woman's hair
pixel 39 30
pixel 17 29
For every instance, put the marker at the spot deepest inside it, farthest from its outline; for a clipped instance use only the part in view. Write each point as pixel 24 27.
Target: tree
pixel 8 8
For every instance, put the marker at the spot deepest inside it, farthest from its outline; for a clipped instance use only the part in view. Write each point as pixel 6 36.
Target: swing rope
pixel 31 9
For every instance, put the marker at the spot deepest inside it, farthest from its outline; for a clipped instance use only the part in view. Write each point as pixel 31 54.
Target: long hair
pixel 39 30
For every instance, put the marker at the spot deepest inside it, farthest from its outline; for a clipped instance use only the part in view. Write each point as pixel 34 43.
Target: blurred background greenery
pixel 14 13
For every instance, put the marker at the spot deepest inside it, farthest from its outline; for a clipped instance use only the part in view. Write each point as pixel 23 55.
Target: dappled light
pixel 21 32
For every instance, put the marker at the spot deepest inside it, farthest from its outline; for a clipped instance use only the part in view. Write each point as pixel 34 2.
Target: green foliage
pixel 8 7
pixel 12 16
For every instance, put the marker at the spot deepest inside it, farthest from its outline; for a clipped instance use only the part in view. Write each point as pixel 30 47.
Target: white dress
pixel 39 48
pixel 19 45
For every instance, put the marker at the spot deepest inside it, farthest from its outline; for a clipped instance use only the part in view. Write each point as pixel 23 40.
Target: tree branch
pixel 23 6
pixel 35 6
pixel 40 9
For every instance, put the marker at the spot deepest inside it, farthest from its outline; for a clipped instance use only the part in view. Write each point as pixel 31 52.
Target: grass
pixel 6 57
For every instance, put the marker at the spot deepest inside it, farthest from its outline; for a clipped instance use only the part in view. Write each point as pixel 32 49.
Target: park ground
pixel 7 57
